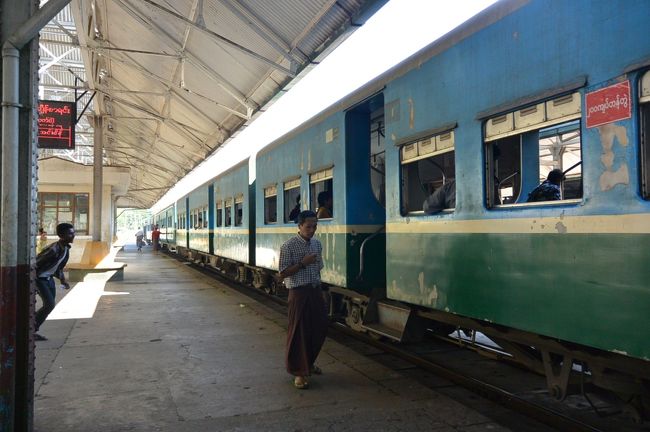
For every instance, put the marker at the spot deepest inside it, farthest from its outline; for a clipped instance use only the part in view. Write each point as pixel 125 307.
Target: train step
pixel 390 319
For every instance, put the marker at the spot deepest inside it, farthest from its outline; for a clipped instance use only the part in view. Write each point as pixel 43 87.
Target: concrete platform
pixel 168 350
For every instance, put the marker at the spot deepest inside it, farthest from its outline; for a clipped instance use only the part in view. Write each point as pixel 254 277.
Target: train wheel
pixel 354 318
pixel 271 287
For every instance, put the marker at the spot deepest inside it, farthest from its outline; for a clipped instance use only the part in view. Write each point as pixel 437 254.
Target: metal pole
pixel 9 232
pixel 9 217
pixel 98 179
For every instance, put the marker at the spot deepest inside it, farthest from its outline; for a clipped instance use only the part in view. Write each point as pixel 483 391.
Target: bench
pixel 77 272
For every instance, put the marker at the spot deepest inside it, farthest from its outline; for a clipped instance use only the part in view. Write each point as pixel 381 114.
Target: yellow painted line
pixel 605 224
pixel 322 229
pixel 227 231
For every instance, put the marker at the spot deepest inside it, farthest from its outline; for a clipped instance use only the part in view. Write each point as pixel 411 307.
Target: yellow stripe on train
pixel 600 224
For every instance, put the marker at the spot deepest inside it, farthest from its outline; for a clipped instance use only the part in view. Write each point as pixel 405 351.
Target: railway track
pixel 440 357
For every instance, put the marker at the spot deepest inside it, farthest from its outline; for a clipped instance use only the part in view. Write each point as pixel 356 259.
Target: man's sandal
pixel 300 383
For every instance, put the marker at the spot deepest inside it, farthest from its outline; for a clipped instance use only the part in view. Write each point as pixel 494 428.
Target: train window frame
pixel 513 138
pixel 238 210
pixel 227 217
pixel 437 148
pixel 321 181
pixel 644 136
pixel 271 204
pixel 219 215
pixel 290 187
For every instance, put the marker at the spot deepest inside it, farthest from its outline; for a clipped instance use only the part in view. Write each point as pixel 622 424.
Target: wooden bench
pixel 77 272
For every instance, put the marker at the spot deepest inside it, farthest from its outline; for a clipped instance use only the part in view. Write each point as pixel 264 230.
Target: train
pixel 518 90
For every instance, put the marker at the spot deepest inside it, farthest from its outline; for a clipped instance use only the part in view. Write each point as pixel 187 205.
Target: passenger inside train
pixel 325 202
pixel 442 198
pixel 549 189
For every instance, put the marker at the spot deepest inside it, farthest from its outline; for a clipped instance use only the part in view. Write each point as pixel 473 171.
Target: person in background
pixel 442 198
pixel 41 242
pixel 49 265
pixel 549 189
pixel 155 238
pixel 300 264
pixel 293 216
pixel 139 239
pixel 325 203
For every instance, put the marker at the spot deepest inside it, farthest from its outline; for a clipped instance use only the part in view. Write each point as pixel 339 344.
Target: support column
pixel 21 22
pixel 98 179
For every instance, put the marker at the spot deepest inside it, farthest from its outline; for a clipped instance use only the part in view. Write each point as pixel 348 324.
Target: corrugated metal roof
pixel 175 80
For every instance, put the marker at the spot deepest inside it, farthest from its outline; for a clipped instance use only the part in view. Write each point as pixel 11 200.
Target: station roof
pixel 175 80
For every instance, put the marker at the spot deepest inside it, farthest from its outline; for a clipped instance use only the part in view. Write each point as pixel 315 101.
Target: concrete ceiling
pixel 174 80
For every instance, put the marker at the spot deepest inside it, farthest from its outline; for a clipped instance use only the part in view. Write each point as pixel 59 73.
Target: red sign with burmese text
pixel 608 104
pixel 56 122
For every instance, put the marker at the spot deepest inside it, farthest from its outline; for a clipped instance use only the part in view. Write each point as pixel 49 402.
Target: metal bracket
pixel 557 374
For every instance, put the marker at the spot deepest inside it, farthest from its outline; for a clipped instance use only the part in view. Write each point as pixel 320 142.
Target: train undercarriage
pixel 569 368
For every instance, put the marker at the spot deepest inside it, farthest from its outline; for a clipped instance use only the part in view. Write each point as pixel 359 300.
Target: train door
pixel 365 156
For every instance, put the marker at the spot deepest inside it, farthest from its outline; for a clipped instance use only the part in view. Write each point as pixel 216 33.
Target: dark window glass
pixel 239 214
pixel 228 216
pixel 423 177
pixel 645 151
pixel 291 204
pixel 271 209
pixel 322 189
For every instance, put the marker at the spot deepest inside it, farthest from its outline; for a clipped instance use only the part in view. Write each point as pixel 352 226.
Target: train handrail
pixel 361 250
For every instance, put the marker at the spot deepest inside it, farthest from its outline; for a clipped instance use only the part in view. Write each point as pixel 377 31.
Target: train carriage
pixel 233 233
pixel 329 156
pixel 198 228
pixel 573 269
pixel 183 220
pixel 166 221
pixel 484 115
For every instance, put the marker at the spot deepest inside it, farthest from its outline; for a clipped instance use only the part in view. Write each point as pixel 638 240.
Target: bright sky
pixel 396 31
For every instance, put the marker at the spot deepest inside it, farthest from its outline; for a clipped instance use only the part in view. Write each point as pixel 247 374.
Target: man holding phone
pixel 300 265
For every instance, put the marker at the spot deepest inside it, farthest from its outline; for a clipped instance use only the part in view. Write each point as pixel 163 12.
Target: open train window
pixel 220 213
pixel 524 146
pixel 227 218
pixel 644 105
pixel 205 217
pixel 271 204
pixel 428 169
pixel 239 210
pixel 321 193
pixel 291 200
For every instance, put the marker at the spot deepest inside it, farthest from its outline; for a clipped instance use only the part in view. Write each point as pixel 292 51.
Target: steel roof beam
pixel 221 82
pixel 222 39
pixel 258 26
pixel 172 86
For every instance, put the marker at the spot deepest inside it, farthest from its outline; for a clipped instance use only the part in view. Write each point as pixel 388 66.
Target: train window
pixel 321 193
pixel 205 217
pixel 644 105
pixel 524 146
pixel 239 210
pixel 228 213
pixel 291 200
pixel 220 213
pixel 427 166
pixel 271 204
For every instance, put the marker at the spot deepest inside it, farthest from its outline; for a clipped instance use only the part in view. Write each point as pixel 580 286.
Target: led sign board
pixel 56 122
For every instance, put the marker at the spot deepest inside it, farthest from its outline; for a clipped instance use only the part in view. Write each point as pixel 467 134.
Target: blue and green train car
pixel 485 114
